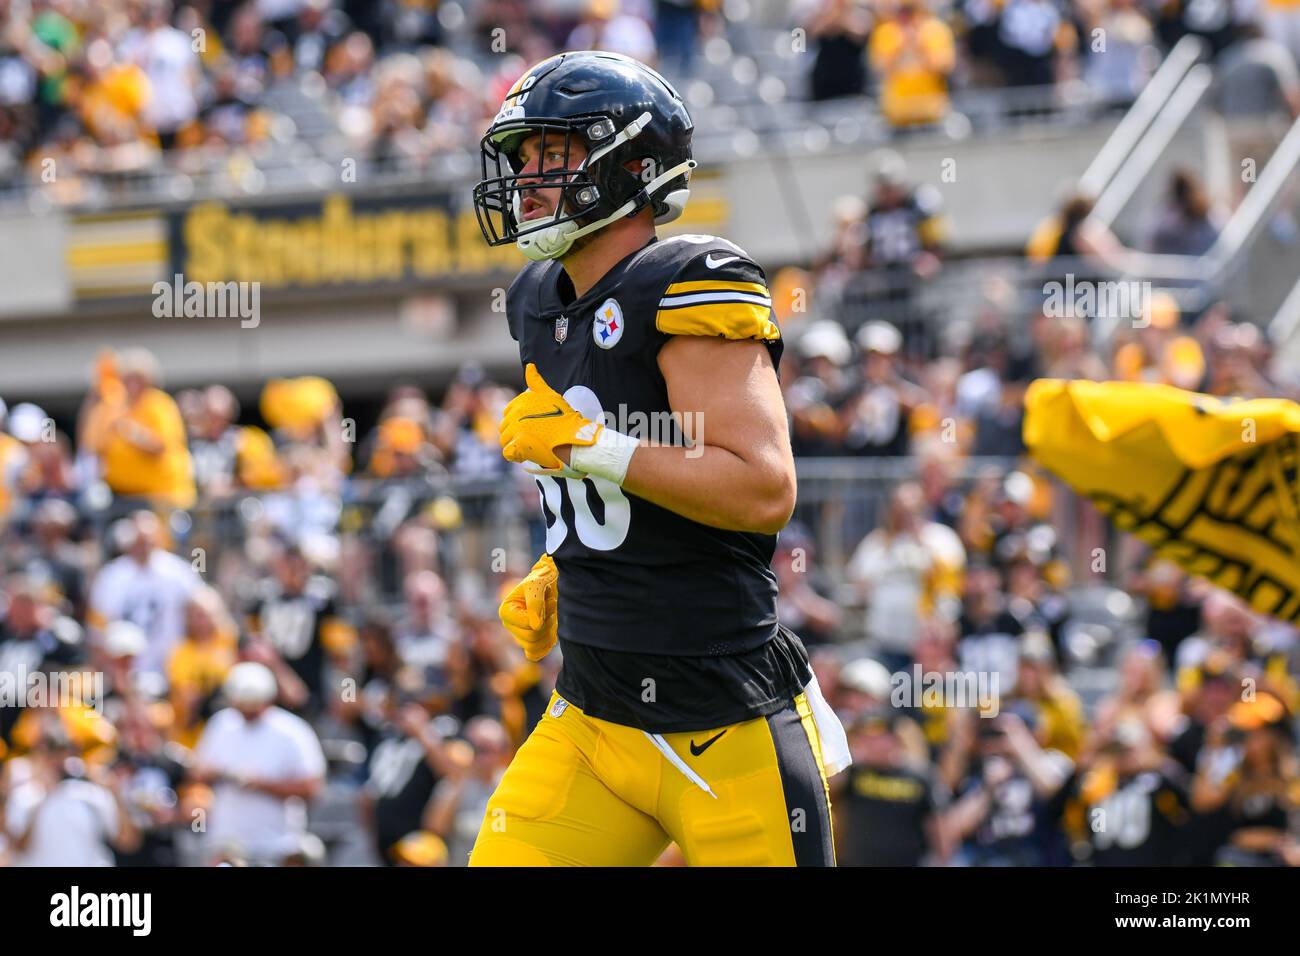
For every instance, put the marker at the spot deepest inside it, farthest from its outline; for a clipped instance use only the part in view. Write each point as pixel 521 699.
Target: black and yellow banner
pixel 1209 483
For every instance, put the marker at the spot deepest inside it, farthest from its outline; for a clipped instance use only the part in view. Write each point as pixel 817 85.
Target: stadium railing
pixel 841 499
pixel 939 314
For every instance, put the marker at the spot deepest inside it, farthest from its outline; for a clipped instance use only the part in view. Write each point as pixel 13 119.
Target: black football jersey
pixel 298 627
pixel 635 578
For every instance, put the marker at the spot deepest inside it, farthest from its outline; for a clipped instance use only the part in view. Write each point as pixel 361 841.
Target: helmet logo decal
pixel 608 327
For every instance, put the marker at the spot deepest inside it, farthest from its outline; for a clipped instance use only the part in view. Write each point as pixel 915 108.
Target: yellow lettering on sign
pixel 336 246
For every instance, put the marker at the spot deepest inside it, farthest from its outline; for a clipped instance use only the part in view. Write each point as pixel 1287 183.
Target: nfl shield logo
pixel 559 706
pixel 561 328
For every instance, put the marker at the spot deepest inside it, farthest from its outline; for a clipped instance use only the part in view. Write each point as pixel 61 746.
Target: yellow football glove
pixel 529 610
pixel 538 421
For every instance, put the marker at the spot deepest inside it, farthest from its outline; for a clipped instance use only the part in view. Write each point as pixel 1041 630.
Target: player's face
pixel 536 203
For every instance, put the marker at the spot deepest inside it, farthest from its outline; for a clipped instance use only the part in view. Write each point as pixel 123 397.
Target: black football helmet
pixel 623 112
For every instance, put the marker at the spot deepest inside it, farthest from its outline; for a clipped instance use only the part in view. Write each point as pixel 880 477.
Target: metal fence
pixel 477 527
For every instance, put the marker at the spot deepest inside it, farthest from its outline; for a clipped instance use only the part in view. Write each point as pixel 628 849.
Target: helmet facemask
pixel 587 190
pixel 498 198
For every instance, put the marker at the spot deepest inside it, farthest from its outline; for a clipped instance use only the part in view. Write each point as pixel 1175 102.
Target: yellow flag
pixel 1209 483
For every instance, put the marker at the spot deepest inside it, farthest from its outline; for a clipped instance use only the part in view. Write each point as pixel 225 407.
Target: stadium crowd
pixel 96 92
pixel 288 612
pixel 284 625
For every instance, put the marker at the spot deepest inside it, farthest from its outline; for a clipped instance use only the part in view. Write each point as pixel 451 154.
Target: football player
pixel 683 711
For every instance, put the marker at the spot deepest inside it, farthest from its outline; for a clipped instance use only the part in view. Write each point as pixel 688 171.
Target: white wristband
pixel 608 458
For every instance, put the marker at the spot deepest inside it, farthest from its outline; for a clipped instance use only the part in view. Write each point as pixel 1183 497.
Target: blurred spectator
pixel 1005 782
pixel 1218 22
pixel 466 429
pixel 33 637
pixel 54 561
pixel 152 770
pixel 1058 709
pixel 1186 226
pixel 1143 696
pixel 677 28
pixel 67 813
pixel 984 47
pixel 1032 32
pixel 1207 695
pixel 406 764
pixel 886 813
pixel 1246 779
pixel 1129 807
pixel 876 419
pixel 110 98
pixel 299 619
pixel 1173 604
pixel 989 634
pixel 804 607
pixel 913 52
pixel 1072 234
pixel 214 442
pixel 840 29
pixel 460 801
pixel 13 460
pixel 137 432
pixel 318 28
pixel 171 66
pixel 907 568
pixel 1258 77
pixel 905 229
pixel 145 585
pixel 262 763
pixel 1155 351
pixel 1121 56
pixel 200 663
pixel 816 398
pixel 606 27
pixel 425 634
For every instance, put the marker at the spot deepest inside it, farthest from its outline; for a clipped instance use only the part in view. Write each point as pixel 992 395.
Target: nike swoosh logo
pixel 555 414
pixel 696 751
pixel 714 263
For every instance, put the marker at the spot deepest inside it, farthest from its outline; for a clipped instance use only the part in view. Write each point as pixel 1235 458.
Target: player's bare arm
pixel 742 478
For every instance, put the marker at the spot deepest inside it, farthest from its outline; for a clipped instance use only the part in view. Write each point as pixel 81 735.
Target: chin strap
pixel 553 241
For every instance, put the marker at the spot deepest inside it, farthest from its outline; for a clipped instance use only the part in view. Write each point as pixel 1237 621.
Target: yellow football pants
pixel 586 792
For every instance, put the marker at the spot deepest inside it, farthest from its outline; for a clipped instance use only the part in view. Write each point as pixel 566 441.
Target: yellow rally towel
pixel 1209 483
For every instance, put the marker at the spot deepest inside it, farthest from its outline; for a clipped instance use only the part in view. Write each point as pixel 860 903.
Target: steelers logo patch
pixel 608 327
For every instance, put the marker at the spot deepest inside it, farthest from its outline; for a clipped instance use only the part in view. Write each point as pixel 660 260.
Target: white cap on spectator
pixel 124 639
pixel 122 533
pixel 866 676
pixel 879 337
pixel 891 168
pixel 1019 488
pixel 27 421
pixel 825 339
pixel 250 684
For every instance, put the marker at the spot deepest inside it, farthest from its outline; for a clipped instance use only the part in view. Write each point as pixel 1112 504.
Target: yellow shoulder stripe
pixel 735 320
pixel 716 285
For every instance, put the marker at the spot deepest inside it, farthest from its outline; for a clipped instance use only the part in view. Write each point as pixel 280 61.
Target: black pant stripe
pixel 802 783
